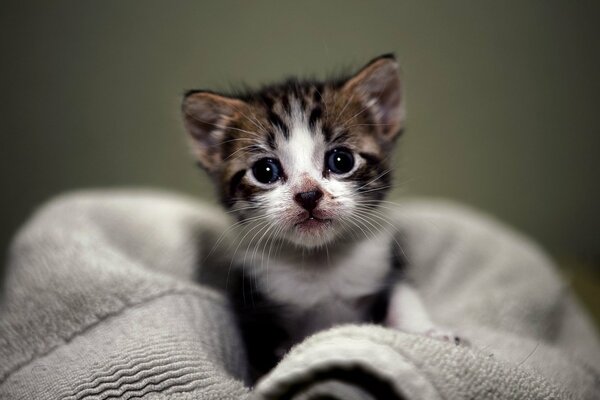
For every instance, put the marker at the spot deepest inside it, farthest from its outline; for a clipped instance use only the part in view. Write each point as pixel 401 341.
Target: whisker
pixel 367 106
pixel 367 221
pixel 343 109
pixel 259 226
pixel 245 148
pixel 229 229
pixel 387 171
pixel 276 236
pixel 224 127
pixel 323 101
pixel 253 121
pixel 352 126
pixel 394 229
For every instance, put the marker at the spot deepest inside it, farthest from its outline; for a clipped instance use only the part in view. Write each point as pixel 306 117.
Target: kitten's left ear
pixel 207 116
pixel 377 85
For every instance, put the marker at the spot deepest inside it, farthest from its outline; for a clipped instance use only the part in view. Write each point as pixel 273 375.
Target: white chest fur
pixel 328 284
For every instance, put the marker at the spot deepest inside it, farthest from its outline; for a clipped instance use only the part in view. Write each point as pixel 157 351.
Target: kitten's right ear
pixel 378 86
pixel 207 116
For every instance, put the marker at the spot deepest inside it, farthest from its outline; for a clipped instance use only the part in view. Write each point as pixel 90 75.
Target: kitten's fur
pixel 311 249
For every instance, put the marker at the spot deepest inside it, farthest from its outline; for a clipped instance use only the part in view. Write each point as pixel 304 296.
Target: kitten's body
pixel 304 167
pixel 327 287
pixel 295 294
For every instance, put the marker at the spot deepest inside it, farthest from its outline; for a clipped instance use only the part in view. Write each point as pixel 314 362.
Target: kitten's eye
pixel 339 161
pixel 266 170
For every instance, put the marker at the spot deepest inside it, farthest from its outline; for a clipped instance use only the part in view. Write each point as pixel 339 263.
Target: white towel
pixel 101 301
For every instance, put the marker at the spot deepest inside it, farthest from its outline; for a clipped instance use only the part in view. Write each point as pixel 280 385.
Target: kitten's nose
pixel 309 200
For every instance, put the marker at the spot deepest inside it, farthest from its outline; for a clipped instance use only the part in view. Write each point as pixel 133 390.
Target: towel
pixel 102 300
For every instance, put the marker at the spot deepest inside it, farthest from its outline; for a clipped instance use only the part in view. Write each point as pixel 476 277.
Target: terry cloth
pixel 101 301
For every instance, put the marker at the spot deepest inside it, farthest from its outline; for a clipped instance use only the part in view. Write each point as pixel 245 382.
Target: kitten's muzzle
pixel 309 200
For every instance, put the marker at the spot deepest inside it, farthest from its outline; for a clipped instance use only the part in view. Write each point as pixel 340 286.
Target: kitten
pixel 304 167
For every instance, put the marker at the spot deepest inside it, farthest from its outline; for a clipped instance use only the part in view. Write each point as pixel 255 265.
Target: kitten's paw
pixel 446 336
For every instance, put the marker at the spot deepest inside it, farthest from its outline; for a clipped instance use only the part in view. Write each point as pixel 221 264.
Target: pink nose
pixel 309 200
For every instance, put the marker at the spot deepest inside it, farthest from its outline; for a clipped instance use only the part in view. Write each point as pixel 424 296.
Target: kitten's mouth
pixel 313 224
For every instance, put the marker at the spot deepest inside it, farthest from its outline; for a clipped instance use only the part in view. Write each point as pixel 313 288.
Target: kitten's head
pixel 307 160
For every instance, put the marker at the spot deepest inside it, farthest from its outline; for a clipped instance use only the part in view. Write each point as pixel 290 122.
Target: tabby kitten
pixel 304 167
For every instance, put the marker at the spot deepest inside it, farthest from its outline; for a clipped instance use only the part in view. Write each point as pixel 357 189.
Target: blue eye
pixel 266 170
pixel 339 161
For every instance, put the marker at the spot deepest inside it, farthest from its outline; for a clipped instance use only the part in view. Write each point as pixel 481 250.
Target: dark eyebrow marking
pixel 276 121
pixel 327 133
pixel 314 116
pixel 254 148
pixel 340 137
pixel 271 140
pixel 370 158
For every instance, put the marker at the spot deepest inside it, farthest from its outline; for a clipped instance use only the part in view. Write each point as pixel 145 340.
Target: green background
pixel 503 98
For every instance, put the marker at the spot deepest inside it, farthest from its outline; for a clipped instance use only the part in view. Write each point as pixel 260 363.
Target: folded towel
pixel 101 301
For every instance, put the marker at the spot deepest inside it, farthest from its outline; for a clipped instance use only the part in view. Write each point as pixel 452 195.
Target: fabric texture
pixel 101 300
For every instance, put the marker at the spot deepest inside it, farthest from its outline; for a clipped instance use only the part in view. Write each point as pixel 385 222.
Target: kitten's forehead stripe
pixel 315 115
pixel 266 99
pixel 276 121
pixel 317 93
pixel 302 102
pixel 285 102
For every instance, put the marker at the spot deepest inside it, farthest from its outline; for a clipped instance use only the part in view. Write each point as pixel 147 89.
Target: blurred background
pixel 503 99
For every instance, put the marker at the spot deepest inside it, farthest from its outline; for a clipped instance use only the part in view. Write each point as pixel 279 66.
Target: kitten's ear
pixel 206 116
pixel 377 85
